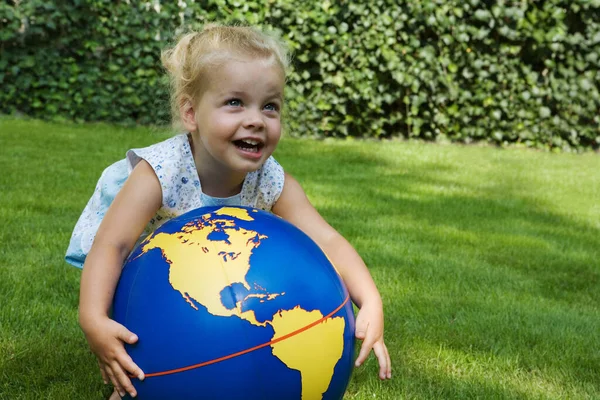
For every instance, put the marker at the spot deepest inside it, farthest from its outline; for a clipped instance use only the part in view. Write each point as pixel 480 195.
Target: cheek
pixel 224 124
pixel 275 128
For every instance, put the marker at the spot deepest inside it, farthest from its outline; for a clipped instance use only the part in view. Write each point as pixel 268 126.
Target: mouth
pixel 249 145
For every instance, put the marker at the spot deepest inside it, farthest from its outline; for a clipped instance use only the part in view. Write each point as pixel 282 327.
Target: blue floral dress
pixel 173 163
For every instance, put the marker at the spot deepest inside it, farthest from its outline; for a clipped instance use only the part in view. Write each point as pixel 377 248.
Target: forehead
pixel 252 75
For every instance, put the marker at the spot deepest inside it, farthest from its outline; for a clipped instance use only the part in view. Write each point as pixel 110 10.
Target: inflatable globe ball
pixel 235 303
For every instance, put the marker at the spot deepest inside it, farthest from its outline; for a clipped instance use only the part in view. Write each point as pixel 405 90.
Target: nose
pixel 254 119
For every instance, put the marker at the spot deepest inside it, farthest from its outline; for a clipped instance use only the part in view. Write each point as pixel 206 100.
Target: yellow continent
pixel 201 268
pixel 239 213
pixel 314 352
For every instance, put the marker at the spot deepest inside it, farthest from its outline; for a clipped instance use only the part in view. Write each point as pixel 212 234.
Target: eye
pixel 234 102
pixel 272 107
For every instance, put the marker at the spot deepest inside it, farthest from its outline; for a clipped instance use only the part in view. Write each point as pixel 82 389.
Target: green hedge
pixel 498 71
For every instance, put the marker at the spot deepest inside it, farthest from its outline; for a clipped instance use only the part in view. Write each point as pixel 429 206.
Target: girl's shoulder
pixel 174 151
pixel 173 164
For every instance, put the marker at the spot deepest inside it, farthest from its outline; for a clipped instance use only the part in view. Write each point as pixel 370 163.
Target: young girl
pixel 228 85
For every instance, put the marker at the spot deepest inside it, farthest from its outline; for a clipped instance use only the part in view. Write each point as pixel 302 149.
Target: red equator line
pixel 260 346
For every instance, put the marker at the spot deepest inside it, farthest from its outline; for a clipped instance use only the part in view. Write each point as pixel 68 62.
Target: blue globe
pixel 235 303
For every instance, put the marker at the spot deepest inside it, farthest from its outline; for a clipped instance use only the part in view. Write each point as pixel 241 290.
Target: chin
pixel 245 167
pixel 252 168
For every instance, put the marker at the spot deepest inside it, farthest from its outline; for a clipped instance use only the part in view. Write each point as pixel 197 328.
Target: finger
pixel 365 349
pixel 131 367
pixel 382 356
pixel 115 381
pixel 124 381
pixel 103 373
pixel 126 335
pixel 361 329
pixel 389 360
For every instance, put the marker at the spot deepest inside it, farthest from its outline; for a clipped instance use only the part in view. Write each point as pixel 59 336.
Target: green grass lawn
pixel 488 260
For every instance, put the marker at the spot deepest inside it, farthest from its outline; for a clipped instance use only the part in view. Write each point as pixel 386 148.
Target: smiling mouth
pixel 252 146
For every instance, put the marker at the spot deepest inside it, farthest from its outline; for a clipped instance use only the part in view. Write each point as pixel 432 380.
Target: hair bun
pixel 210 26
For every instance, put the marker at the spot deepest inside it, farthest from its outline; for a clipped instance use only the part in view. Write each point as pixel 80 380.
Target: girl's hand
pixel 294 207
pixel 369 329
pixel 106 339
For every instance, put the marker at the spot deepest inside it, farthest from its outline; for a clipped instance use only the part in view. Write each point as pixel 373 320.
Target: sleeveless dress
pixel 173 164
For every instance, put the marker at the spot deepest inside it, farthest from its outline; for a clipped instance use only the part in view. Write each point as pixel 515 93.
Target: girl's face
pixel 237 122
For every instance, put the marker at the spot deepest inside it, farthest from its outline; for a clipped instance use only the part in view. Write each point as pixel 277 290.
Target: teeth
pixel 251 142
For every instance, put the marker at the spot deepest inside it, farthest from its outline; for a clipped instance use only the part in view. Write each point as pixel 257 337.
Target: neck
pixel 219 185
pixel 216 180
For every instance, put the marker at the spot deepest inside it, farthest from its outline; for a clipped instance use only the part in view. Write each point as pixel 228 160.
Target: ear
pixel 188 115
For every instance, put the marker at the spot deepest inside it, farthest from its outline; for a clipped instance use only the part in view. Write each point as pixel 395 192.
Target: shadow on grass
pixel 522 234
pixel 485 268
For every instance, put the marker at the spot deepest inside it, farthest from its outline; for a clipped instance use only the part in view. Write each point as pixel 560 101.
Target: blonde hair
pixel 188 62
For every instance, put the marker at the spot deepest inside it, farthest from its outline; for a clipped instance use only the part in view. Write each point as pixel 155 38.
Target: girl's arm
pixel 294 206
pixel 124 222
